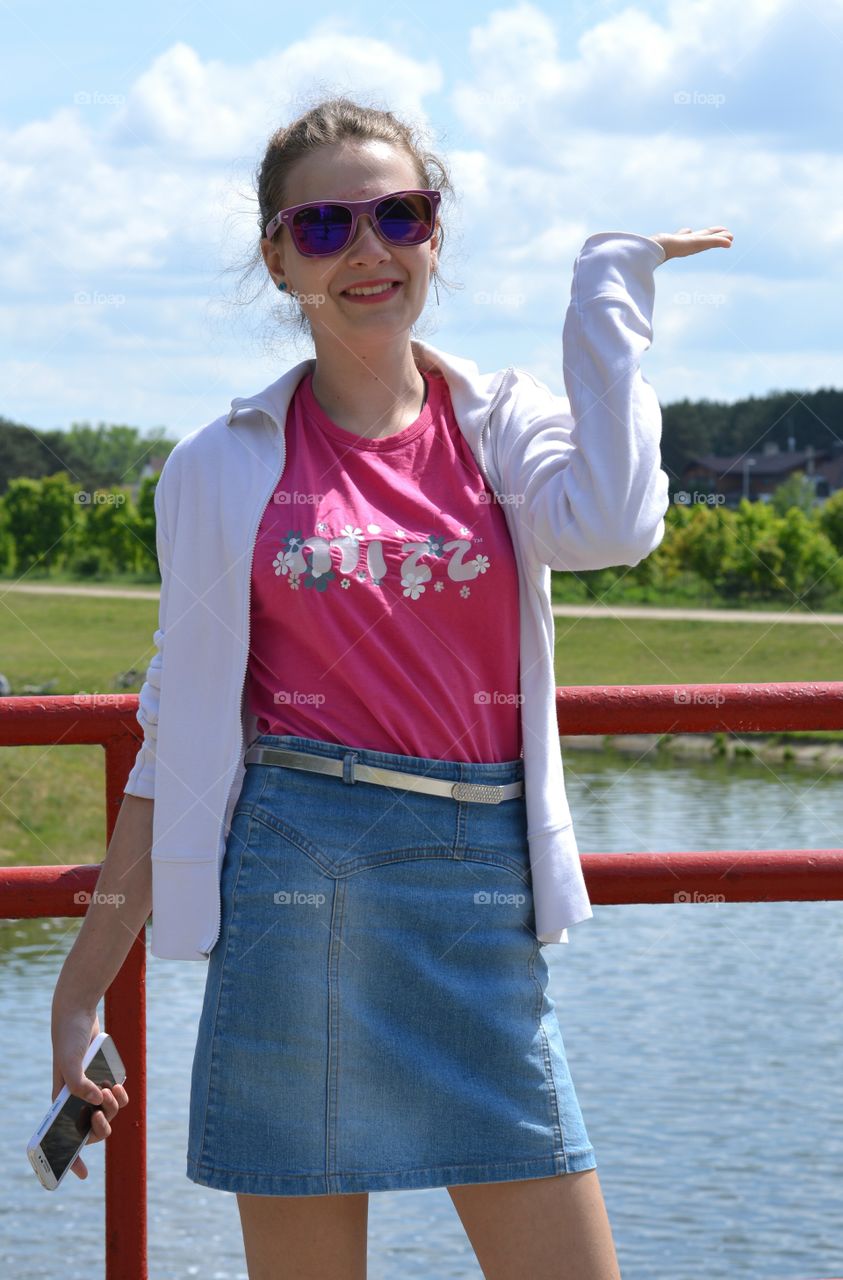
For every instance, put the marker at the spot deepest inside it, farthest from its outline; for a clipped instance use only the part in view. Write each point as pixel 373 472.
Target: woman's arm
pixel 585 477
pixel 119 909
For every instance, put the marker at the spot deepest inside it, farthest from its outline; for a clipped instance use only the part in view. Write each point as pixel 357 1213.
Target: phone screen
pixel 72 1125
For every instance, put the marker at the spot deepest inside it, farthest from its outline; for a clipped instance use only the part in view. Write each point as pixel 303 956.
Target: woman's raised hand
pixel 681 243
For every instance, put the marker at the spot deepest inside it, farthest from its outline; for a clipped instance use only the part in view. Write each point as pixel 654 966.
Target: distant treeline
pixel 98 457
pixel 81 502
pixel 93 457
pixel 693 428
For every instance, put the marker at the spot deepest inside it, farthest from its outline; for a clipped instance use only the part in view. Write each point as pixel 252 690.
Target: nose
pixel 368 242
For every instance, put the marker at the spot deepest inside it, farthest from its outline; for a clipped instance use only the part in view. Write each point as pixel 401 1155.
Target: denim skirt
pixel 376 1012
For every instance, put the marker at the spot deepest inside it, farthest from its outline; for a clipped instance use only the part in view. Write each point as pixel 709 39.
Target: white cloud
pixel 212 110
pixel 560 138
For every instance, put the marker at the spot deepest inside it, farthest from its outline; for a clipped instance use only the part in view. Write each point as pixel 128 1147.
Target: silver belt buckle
pixel 477 791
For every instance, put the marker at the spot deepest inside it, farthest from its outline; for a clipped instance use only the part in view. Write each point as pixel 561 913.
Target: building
pixel 756 476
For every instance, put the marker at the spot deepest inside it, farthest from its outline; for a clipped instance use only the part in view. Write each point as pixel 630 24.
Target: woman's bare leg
pixel 556 1227
pixel 305 1237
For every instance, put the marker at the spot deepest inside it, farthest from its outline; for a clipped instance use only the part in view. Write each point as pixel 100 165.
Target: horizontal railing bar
pixel 739 875
pixel 699 708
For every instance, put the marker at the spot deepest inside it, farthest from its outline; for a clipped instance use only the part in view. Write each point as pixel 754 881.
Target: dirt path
pixel 46 589
pixel 559 610
pixel 694 615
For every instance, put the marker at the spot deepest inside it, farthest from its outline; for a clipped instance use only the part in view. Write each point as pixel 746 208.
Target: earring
pixel 436 290
pixel 282 284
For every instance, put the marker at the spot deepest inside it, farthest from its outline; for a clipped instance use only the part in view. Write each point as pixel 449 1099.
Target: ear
pixel 273 258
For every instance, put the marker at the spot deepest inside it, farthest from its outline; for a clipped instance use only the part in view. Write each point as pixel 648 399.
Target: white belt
pixel 351 771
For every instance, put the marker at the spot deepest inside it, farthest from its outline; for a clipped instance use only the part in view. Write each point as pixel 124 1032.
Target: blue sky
pixel 129 136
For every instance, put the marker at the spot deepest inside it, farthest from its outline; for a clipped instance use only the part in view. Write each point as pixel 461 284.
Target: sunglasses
pixel 403 218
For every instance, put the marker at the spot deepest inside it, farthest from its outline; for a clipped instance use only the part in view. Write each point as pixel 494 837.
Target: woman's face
pixel 353 171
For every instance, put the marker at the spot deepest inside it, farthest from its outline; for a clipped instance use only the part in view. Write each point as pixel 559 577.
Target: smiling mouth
pixel 380 292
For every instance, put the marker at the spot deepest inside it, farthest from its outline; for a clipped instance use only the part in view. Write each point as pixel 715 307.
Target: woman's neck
pixel 367 398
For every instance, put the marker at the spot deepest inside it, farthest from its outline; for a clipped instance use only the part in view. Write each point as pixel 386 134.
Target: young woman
pixel 360 817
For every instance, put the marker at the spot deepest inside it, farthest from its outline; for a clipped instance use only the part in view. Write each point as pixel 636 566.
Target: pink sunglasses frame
pixel 356 208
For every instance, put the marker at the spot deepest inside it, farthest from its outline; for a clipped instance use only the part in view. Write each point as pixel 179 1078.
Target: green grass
pixel 688 590
pixel 53 797
pixel 639 651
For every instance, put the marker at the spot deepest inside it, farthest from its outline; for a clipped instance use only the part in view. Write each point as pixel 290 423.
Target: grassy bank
pixel 688 591
pixel 53 808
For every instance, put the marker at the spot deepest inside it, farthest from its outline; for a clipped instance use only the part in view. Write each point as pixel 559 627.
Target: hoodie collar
pixel 471 392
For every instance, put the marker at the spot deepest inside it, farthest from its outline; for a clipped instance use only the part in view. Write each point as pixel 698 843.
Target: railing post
pixel 125 1150
pixel 125 1021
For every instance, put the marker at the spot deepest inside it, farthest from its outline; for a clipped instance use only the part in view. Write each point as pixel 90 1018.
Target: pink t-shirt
pixel 384 606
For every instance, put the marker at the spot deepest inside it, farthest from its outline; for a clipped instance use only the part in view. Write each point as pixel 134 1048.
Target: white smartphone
pixel 66 1127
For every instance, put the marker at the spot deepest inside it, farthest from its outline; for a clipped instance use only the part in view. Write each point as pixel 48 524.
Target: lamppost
pixel 748 462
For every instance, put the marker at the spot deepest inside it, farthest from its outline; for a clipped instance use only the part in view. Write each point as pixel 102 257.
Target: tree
pixel 796 491
pixel 830 520
pixel 43 518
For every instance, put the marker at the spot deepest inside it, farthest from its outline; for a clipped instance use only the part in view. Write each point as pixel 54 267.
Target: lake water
pixel 704 1042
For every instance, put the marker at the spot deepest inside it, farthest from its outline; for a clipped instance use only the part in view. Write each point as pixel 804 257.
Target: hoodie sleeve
pixel 141 779
pixel 585 475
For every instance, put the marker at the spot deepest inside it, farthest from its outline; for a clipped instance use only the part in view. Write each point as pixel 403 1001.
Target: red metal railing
pixel 757 876
pixel 765 875
pixel 108 720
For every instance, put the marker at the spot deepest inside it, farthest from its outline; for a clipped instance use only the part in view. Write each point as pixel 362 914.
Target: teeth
pixel 379 288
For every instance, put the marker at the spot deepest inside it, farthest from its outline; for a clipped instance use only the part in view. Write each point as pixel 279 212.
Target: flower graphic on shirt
pixel 351 531
pixel 482 563
pixel 435 545
pixel 345 584
pixel 281 563
pixel 466 533
pixel 465 592
pixel 293 539
pixel 412 585
pixel 294 581
pixel 319 581
pixel 361 575
pixel 439 586
pixel 321 527
pixel 399 533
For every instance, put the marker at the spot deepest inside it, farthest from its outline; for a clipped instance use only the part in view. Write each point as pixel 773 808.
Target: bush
pixel 831 520
pixel 91 562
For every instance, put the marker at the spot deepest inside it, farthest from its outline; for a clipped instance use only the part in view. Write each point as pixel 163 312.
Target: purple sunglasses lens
pixel 325 228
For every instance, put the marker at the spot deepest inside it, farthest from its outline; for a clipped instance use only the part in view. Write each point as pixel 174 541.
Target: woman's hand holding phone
pixel 73 1029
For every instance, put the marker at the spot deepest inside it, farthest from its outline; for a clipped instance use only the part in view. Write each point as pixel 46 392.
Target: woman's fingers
pixel 112 1100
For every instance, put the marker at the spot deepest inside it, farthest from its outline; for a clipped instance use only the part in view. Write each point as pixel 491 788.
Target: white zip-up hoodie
pixel 581 487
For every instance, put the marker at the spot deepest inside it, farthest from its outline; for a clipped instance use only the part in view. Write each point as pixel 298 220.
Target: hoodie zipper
pixel 495 399
pixel 248 629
